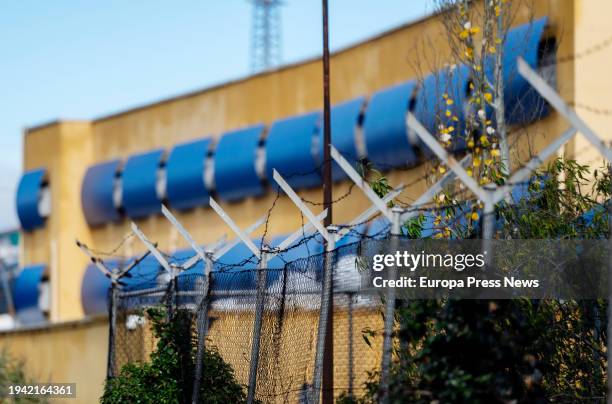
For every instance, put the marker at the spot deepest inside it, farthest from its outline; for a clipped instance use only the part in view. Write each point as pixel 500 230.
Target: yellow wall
pixel 287 350
pixel 78 352
pixel 593 86
pixel 66 353
pixel 65 149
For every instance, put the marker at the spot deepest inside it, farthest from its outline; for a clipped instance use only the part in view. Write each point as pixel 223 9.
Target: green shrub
pixel 503 351
pixel 168 377
pixel 12 372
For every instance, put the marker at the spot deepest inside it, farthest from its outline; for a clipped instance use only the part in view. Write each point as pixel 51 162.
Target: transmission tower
pixel 265 34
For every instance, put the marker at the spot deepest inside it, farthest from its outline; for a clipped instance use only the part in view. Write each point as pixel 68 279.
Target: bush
pixel 488 351
pixel 168 378
pixel 12 372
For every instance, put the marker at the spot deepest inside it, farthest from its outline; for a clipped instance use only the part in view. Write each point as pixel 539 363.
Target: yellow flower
pixel 474 216
pixel 488 162
pixel 497 11
pixel 464 34
pixel 474 30
pixel 455 119
pixel 476 162
pixel 484 139
pixel 442 170
pixel 445 96
pixel 492 49
pixel 470 143
pixel 448 113
pixel 495 153
pixel 449 102
pixel 450 129
pixel 469 172
pixel 488 97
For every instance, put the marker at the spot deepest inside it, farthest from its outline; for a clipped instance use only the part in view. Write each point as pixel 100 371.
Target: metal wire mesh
pixel 290 322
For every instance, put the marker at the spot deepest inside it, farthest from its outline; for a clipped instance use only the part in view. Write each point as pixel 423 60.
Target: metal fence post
pixel 115 276
pixel 609 328
pixel 351 354
pixel 202 327
pixel 262 280
pixel 6 288
pixel 110 363
pixel 385 369
pixel 326 295
pixel 488 228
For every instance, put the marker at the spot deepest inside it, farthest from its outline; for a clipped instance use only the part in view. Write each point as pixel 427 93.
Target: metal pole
pixel 110 363
pixel 324 316
pixel 262 275
pixel 328 372
pixel 202 324
pixel 351 371
pixel 6 287
pixel 327 171
pixel 171 298
pixel 609 336
pixel 488 225
pixel 389 311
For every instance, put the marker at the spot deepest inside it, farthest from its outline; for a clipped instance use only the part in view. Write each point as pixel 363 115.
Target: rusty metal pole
pixel 609 328
pixel 328 358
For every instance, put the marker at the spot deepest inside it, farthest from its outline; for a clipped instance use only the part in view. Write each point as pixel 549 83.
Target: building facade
pixel 87 180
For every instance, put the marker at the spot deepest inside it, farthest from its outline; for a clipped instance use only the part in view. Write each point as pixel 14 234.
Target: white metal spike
pixel 307 228
pixel 298 202
pixel 158 255
pixel 449 160
pixel 132 264
pixel 562 108
pixel 436 188
pixel 369 212
pixel 181 229
pixel 97 262
pixel 361 183
pixel 232 243
pixel 228 220
pixel 214 246
pixel 525 172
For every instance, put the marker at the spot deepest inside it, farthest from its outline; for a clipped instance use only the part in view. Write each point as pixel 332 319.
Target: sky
pixel 69 59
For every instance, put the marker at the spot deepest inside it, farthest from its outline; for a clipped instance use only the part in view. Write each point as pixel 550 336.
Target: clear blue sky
pixel 83 59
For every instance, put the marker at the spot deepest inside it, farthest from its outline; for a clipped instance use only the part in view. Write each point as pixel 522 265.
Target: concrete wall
pixel 65 353
pixel 593 85
pixel 287 348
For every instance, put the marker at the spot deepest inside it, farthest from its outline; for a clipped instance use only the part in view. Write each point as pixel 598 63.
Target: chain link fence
pixel 289 328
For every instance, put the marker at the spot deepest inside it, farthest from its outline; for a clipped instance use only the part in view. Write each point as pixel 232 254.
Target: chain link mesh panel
pixel 290 322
